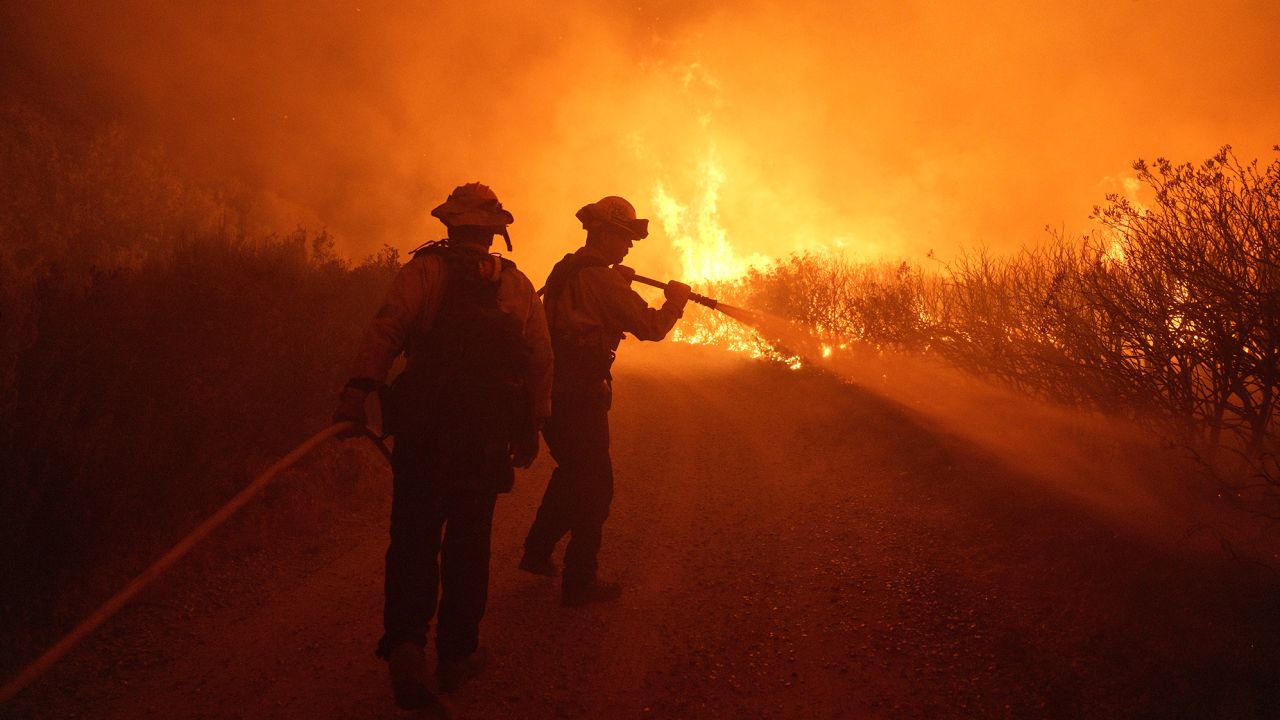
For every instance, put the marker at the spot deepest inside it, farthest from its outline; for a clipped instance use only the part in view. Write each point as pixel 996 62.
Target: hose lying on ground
pixel 112 606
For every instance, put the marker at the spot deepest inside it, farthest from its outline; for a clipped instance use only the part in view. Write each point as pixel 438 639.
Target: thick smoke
pixel 887 128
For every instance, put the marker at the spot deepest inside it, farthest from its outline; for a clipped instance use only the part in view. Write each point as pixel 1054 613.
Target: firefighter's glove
pixel 677 293
pixel 351 409
pixel 524 449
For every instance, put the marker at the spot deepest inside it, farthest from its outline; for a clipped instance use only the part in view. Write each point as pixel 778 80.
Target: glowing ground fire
pixel 708 258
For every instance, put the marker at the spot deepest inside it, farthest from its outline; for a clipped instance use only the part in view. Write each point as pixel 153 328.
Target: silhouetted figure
pixel 476 385
pixel 589 306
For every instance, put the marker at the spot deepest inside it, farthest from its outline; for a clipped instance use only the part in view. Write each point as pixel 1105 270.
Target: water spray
pixel 778 332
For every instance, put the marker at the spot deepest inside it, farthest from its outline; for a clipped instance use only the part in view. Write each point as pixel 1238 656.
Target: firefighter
pixel 466 409
pixel 589 304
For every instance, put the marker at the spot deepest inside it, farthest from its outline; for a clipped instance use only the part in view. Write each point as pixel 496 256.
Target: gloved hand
pixel 627 273
pixel 351 408
pixel 677 293
pixel 524 449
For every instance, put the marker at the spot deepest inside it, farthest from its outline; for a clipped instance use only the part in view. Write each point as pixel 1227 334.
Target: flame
pixel 695 230
pixel 702 326
pixel 706 256
pixel 1115 249
pixel 1116 237
pixel 709 258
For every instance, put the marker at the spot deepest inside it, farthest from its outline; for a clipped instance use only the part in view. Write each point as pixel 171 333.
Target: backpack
pixel 463 395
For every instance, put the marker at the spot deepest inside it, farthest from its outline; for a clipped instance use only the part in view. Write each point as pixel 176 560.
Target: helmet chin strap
pixel 506 237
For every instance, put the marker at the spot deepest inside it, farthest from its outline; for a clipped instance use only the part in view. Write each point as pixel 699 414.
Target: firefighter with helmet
pixel 466 409
pixel 589 305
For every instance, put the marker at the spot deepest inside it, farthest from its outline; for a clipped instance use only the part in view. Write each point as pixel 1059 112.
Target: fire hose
pixel 695 297
pixel 108 609
pixel 104 612
pixel 746 317
pixel 632 276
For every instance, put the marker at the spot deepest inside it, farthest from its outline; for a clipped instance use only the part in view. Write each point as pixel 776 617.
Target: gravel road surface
pixel 791 546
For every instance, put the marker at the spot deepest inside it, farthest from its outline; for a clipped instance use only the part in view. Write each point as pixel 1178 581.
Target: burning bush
pixel 1170 315
pixel 1191 299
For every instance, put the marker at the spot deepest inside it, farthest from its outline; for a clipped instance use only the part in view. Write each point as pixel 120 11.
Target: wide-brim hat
pixel 616 212
pixel 472 204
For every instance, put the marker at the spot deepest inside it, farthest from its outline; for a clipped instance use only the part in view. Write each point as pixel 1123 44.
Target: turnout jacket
pixel 594 307
pixel 410 308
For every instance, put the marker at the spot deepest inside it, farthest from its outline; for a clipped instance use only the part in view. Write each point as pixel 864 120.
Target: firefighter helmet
pixel 615 212
pixel 473 204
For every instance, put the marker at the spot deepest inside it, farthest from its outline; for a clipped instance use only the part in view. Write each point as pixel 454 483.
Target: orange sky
pixel 883 128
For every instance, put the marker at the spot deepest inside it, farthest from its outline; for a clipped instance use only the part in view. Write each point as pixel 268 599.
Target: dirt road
pixel 792 547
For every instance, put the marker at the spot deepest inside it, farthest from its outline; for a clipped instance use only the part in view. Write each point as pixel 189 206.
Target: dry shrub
pixel 1195 302
pixel 1170 315
pixel 155 359
pixel 150 395
pixel 886 305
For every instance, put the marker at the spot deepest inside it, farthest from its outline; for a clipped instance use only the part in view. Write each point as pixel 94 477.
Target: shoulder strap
pixel 453 264
pixel 564 271
pixel 429 246
pixel 417 331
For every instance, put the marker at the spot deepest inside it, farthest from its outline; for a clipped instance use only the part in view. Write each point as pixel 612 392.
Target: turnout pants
pixel 578 495
pixel 431 497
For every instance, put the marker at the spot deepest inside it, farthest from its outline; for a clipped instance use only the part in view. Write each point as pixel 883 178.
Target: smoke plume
pixel 884 129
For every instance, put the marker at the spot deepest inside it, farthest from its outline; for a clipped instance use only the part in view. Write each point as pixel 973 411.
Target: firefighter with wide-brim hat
pixel 476 386
pixel 590 306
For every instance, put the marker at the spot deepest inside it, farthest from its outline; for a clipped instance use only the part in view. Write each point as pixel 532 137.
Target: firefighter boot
pixel 538 565
pixel 586 593
pixel 409 678
pixel 453 673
